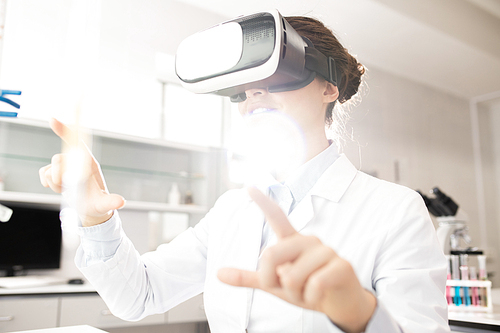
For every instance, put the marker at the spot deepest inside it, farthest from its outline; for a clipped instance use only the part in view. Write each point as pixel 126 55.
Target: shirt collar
pixel 302 180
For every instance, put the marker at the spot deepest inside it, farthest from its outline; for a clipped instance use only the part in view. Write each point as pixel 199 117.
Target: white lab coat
pixel 382 229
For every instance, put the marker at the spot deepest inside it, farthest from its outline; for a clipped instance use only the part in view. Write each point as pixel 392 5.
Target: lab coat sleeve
pixel 135 286
pixel 100 242
pixel 409 276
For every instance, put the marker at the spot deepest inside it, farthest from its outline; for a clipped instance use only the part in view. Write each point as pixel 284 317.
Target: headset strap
pixel 321 64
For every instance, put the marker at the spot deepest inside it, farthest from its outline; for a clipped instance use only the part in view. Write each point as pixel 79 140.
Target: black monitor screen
pixel 31 239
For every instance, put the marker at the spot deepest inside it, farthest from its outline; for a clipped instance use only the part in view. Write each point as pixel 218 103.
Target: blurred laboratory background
pixel 428 115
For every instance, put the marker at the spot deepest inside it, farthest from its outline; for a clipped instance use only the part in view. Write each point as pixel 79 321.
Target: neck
pixel 316 142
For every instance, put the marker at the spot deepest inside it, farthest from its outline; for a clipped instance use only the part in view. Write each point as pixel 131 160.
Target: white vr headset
pixel 260 50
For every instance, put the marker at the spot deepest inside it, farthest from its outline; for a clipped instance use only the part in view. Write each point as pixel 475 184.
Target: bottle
pixel 188 198
pixel 174 196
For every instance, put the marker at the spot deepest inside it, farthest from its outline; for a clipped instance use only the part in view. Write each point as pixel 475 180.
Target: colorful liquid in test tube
pixel 474 290
pixel 483 277
pixel 464 275
pixel 449 298
pixel 455 275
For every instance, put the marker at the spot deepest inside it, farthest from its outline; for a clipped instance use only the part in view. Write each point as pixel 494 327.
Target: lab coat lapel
pixel 335 181
pixel 331 185
pixel 238 246
pixel 251 238
pixel 302 214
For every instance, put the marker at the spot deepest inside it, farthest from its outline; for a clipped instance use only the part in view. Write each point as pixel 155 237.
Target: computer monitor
pixel 31 239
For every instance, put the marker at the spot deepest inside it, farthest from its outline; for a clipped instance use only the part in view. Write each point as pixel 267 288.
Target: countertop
pixel 50 290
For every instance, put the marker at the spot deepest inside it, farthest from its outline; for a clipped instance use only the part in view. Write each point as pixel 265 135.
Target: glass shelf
pixel 26 158
pixel 55 200
pixel 176 175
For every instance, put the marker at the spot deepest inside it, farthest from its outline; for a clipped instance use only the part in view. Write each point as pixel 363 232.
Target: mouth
pixel 260 110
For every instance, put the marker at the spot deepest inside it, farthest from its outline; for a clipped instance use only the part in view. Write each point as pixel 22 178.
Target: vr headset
pixel 260 50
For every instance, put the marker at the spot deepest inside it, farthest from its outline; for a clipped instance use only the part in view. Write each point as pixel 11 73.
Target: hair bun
pixel 350 78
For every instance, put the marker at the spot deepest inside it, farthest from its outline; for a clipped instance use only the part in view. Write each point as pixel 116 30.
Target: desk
pixel 70 329
pixel 51 290
pixel 70 305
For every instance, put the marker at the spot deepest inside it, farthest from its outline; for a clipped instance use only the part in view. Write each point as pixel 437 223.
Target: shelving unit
pixel 140 169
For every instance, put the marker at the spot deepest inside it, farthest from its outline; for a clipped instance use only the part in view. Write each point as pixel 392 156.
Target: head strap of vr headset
pixel 321 64
pixel 316 62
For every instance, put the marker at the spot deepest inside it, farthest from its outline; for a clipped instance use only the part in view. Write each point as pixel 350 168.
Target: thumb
pixel 108 202
pixel 238 277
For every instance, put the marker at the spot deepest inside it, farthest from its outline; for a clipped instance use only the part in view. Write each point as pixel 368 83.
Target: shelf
pixel 176 175
pixel 36 198
pixel 149 141
pixel 164 207
pixel 114 135
pixel 55 200
pixel 141 169
pixel 181 175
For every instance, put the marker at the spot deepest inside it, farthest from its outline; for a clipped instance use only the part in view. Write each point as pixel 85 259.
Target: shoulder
pixel 229 201
pixel 383 188
pixel 233 196
pixel 383 198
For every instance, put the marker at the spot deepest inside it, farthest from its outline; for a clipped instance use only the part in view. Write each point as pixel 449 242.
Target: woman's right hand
pixel 98 204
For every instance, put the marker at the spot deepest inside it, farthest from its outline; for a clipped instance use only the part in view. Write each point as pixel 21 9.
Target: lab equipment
pixel 483 277
pixel 441 205
pixel 449 297
pixel 452 222
pixel 31 239
pixel 455 275
pixel 8 101
pixel 260 50
pixel 482 267
pixel 463 290
pixel 464 276
pixel 474 290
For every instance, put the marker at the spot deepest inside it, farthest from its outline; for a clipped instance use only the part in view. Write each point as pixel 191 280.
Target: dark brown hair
pixel 325 41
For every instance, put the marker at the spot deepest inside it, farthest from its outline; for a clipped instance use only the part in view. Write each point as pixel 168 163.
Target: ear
pixel 330 93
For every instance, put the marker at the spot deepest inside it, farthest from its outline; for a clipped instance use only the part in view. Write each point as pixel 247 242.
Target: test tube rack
pixel 482 285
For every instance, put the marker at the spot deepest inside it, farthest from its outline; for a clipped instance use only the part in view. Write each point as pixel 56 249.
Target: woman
pixel 354 254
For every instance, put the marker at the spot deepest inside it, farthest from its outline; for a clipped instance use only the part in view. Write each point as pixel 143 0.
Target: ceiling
pixel 451 45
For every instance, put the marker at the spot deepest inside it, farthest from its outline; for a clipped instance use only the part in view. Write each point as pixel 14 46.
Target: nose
pixel 251 93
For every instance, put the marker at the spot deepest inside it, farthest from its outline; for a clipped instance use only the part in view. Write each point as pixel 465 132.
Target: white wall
pixel 102 53
pixel 428 132
pixel 489 132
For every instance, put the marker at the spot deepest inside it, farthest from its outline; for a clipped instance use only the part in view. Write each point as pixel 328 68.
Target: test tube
pixel 464 275
pixel 455 275
pixel 473 277
pixel 449 298
pixel 482 267
pixel 481 259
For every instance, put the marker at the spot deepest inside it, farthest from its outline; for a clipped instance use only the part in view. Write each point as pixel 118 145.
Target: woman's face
pixel 306 106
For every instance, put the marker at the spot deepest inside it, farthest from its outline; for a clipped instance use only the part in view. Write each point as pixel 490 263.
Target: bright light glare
pixel 272 144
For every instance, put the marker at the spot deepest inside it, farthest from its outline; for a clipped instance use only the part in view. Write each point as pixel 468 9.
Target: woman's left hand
pixel 303 271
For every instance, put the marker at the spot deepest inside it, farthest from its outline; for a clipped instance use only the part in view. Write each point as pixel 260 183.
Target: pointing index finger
pixel 62 131
pixel 71 137
pixel 274 215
